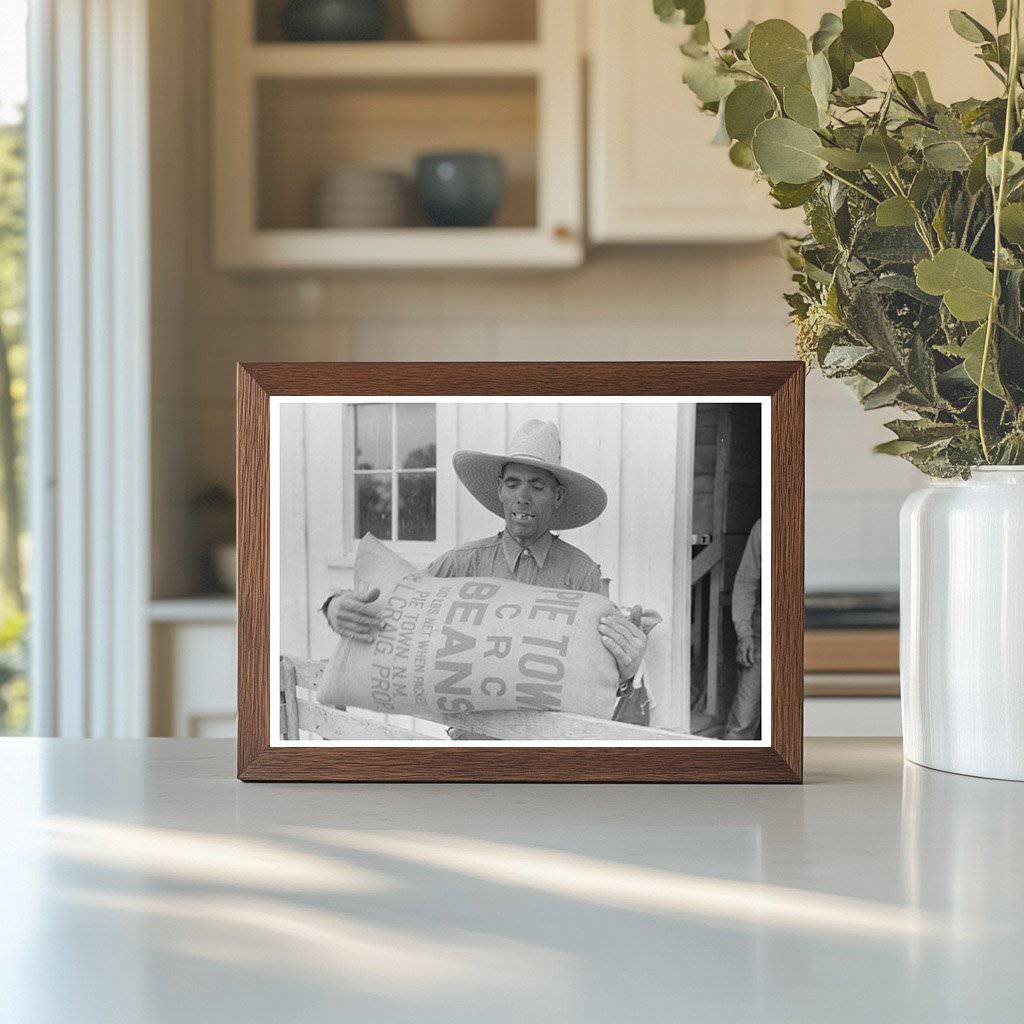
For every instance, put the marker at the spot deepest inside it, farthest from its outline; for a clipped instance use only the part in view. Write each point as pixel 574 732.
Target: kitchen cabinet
pixel 654 177
pixel 287 114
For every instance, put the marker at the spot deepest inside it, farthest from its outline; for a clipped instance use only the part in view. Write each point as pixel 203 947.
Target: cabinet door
pixel 654 176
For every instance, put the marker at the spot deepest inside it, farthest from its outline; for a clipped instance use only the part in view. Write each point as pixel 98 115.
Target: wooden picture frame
pixel 778 759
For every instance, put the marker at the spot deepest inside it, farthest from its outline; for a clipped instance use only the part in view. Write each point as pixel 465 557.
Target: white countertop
pixel 140 882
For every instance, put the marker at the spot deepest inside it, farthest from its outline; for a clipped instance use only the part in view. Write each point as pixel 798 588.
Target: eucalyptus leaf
pixel 779 51
pixel 884 176
pixel 963 281
pixel 745 108
pixel 708 80
pixel 787 152
pixel 976 174
pixel 895 447
pixel 721 136
pixel 922 185
pixel 923 431
pixel 857 91
pixel 866 29
pixel 895 212
pixel 868 320
pixel 841 62
pixel 906 84
pixel 924 88
pixel 800 105
pixel 788 196
pixel 701 34
pixel 829 30
pixel 947 156
pixel 693 10
pixel 843 358
pixel 972 351
pixel 1012 223
pixel 993 167
pixel 666 10
pixel 819 75
pixel 844 159
pixel 889 246
pixel 939 220
pixel 883 395
pixel 739 41
pixel 969 28
pixel 883 152
pixel 689 12
pixel 741 155
pixel 921 370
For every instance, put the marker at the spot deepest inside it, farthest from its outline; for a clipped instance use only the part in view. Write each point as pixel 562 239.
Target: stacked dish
pixel 362 197
pixel 471 20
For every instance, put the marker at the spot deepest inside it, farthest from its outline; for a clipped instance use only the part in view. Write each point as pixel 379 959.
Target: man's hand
pixel 347 614
pixel 648 618
pixel 746 651
pixel 626 641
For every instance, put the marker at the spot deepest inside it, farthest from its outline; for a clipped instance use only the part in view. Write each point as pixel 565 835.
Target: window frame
pixel 394 471
pixel 420 553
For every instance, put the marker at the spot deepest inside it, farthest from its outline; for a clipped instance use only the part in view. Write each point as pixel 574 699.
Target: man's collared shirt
pixel 548 562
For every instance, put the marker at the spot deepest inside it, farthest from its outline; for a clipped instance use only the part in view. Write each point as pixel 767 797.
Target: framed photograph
pixel 563 572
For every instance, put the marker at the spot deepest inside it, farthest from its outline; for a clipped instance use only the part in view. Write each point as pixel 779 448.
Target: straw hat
pixel 535 443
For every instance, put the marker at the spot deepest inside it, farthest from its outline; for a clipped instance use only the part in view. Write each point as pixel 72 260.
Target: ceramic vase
pixel 962 624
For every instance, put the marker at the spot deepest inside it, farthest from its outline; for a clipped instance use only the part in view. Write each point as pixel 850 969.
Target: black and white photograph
pixel 519 571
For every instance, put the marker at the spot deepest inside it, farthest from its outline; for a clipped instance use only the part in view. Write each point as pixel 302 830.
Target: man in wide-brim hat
pixel 534 493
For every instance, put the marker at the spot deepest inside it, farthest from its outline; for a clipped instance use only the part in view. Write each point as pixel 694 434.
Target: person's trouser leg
pixel 744 722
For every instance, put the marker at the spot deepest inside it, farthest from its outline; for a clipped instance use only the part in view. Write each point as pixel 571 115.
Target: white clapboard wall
pixel 641 453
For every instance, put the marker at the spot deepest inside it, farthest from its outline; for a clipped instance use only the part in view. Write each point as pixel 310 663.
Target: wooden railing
pixel 300 681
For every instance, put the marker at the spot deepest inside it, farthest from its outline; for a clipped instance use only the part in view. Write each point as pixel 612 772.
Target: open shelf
pixel 520 22
pixel 286 114
pixel 392 60
pixel 308 127
pixel 406 248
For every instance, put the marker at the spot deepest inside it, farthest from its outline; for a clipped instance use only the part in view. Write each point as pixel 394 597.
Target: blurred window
pixel 14 548
pixel 394 469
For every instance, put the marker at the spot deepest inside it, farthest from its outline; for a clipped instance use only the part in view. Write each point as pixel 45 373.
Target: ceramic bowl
pixel 333 21
pixel 471 20
pixel 359 197
pixel 460 189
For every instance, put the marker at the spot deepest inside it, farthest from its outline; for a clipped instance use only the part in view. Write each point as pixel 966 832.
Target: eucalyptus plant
pixel 910 277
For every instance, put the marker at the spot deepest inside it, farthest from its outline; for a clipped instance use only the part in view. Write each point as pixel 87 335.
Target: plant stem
pixel 1012 334
pixel 980 232
pixel 853 185
pixel 894 183
pixel 907 99
pixel 1011 108
pixel 771 91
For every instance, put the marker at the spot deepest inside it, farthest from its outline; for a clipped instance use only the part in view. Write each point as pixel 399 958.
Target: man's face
pixel 529 497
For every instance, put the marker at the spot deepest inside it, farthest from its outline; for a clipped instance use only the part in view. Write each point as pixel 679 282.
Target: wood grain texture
pixel 852 650
pixel 781 762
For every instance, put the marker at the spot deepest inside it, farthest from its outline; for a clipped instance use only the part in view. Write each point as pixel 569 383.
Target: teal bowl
pixel 460 189
pixel 334 21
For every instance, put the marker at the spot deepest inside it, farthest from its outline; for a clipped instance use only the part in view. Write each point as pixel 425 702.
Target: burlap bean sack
pixel 458 644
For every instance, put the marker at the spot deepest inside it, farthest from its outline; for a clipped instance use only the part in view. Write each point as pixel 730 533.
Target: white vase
pixel 962 624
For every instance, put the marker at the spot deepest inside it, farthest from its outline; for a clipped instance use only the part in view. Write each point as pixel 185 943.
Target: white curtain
pixel 88 386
